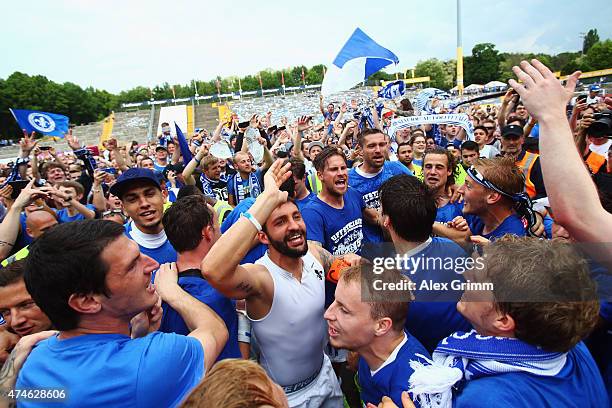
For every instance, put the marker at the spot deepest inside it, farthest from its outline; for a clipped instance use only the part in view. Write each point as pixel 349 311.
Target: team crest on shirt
pixel 319 274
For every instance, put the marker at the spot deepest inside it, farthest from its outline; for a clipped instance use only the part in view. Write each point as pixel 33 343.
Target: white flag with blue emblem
pixel 360 57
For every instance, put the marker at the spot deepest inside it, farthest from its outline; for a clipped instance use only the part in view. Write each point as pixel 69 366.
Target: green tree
pixel 590 39
pixel 437 71
pixel 600 55
pixel 483 65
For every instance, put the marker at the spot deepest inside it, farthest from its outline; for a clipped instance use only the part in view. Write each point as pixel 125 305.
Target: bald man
pixel 38 222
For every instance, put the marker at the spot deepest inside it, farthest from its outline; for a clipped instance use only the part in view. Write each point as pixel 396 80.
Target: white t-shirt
pixel 601 149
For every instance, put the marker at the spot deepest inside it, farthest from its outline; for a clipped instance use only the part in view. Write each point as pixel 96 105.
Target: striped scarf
pixel 468 356
pixel 254 188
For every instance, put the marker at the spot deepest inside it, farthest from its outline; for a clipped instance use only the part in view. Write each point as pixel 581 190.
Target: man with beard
pixel 284 292
pixel 371 174
pixel 245 183
pixel 143 201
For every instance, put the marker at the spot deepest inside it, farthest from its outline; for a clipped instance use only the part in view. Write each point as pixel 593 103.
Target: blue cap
pixel 594 87
pixel 129 177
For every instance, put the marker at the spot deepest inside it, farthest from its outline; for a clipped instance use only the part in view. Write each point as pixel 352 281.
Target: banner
pixel 46 123
pixel 392 90
pixel 460 119
pixel 171 114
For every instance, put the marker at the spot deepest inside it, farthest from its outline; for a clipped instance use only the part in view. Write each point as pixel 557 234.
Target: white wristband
pixel 253 220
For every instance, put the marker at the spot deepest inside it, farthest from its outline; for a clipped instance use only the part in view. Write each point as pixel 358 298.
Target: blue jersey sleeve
pixel 171 366
pixel 315 225
pixel 230 186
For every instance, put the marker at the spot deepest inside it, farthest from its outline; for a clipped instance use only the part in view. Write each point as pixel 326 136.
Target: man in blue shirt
pixel 408 213
pixel 526 349
pixel 143 201
pixel 192 228
pixel 372 173
pixel 375 330
pixel 94 284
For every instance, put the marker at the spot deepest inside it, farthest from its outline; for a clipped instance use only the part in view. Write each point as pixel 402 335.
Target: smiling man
pixel 375 330
pixel 19 312
pixel 143 201
pixel 92 281
pixel 284 292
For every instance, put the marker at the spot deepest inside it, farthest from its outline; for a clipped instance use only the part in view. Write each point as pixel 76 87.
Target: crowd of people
pixel 254 265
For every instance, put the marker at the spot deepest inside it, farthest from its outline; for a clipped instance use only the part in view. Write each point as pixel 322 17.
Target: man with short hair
pixel 246 182
pixel 491 126
pixel 404 156
pixel 212 184
pixel 488 151
pixel 143 201
pixel 512 141
pixel 371 174
pixel 161 158
pixel 526 348
pixel 192 228
pixel 490 193
pixel 284 292
pixel 375 330
pixel 469 153
pixel 408 213
pixel 19 314
pixel 147 163
pixel 95 286
pixel 38 222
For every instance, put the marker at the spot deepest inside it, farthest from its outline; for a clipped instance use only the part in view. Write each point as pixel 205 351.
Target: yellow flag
pixel 107 129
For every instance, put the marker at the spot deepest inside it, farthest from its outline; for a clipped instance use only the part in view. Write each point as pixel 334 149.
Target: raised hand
pixel 541 92
pixel 72 141
pixel 304 123
pixel 27 143
pixel 276 175
pixel 27 195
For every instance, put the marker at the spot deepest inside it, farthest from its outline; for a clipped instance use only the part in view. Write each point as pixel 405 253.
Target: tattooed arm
pixel 11 367
pixel 326 258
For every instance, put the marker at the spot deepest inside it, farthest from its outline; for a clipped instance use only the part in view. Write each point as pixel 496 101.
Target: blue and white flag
pixel 50 124
pixel 392 90
pixel 360 57
pixel 423 99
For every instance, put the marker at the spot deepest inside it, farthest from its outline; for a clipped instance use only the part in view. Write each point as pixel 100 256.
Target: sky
pixel 117 45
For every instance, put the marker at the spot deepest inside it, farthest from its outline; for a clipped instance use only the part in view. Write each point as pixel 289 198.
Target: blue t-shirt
pixel 199 288
pixel 249 187
pixel 158 167
pixel 513 224
pixel 392 379
pixel 449 211
pixel 258 250
pixel 368 187
pixel 578 384
pixel 339 231
pixel 62 215
pixel 301 203
pixel 433 315
pixel 112 370
pixel 165 253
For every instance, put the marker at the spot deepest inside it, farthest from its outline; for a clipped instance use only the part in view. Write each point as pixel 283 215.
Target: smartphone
pixel 44 147
pixel 109 170
pixel 17 187
pixel 581 98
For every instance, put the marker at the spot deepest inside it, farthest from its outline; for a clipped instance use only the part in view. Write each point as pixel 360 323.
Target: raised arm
pixel 221 265
pixel 191 166
pixel 571 192
pixel 205 325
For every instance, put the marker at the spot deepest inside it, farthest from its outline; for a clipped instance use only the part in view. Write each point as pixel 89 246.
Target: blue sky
pixel 116 45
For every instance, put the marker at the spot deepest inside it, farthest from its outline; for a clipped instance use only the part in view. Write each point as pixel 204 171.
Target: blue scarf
pixel 254 188
pixel 468 356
